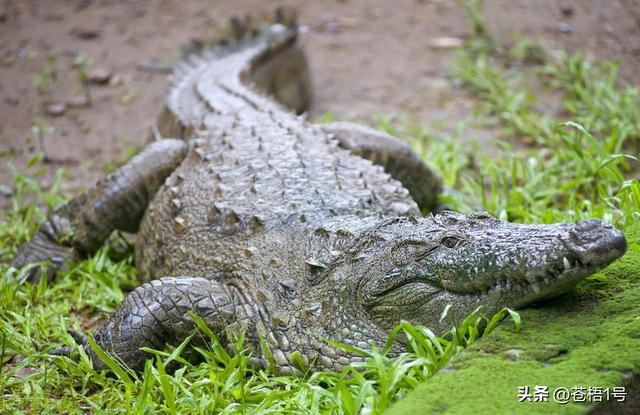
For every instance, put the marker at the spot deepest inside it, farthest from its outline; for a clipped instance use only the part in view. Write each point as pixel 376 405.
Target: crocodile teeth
pixel 567 264
pixel 536 287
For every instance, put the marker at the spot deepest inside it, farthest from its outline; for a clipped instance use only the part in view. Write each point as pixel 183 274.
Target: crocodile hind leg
pixel 158 313
pixel 116 202
pixel 396 157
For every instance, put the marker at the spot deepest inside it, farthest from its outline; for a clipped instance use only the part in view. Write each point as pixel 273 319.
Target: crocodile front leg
pixel 396 157
pixel 116 202
pixel 156 314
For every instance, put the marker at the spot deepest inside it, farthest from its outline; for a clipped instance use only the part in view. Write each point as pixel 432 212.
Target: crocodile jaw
pixel 577 252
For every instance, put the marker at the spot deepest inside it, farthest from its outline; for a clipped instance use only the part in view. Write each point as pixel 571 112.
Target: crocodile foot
pixel 44 249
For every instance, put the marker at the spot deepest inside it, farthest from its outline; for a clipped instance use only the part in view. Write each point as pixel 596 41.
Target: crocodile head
pixel 412 268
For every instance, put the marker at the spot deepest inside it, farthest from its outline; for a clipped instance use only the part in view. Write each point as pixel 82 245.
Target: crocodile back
pixel 254 172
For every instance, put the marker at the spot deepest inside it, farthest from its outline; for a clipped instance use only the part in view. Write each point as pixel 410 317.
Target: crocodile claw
pixel 62 351
pixel 66 351
pixel 43 249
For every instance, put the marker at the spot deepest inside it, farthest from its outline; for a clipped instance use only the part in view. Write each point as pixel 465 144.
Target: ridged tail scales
pixel 275 65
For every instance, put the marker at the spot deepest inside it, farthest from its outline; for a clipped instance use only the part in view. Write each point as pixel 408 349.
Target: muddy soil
pixel 368 58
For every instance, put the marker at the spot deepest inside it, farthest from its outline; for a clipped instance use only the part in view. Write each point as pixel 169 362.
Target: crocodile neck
pixel 290 309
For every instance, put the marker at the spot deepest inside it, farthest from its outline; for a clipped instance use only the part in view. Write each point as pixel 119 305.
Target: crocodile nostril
pixel 587 225
pixel 596 242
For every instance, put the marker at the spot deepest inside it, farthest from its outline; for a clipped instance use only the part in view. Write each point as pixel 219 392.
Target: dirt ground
pixel 368 58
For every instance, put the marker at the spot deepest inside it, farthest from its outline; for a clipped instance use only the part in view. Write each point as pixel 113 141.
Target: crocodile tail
pixel 279 69
pixel 239 30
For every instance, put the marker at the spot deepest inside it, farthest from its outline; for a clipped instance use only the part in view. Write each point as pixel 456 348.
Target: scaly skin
pixel 283 230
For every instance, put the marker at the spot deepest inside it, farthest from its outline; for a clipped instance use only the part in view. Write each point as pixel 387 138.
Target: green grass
pixel 567 166
pixel 578 164
pixel 582 154
pixel 34 320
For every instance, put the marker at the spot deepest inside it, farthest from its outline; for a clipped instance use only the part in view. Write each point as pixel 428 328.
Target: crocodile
pixel 293 234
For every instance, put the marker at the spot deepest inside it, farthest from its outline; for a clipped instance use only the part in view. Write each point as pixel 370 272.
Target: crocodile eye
pixel 482 215
pixel 450 241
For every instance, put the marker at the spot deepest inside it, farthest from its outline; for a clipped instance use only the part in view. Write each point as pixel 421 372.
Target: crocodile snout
pixel 596 242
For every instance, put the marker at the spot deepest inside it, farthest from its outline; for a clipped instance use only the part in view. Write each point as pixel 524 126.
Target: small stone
pixel 116 80
pixel 78 119
pixel 23 372
pixel 448 369
pixel 5 191
pixel 85 33
pixel 22 53
pixel 348 22
pixel 54 16
pixel 332 26
pixel 99 75
pixel 438 83
pixel 445 43
pixel 125 97
pixel 567 10
pixel 565 27
pixel 82 124
pixel 56 109
pixel 64 130
pixel 513 354
pixel 17 358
